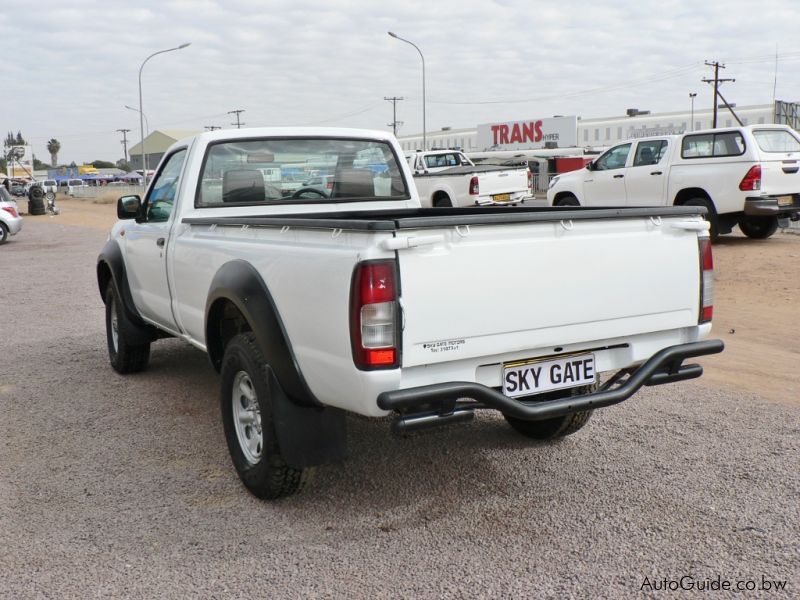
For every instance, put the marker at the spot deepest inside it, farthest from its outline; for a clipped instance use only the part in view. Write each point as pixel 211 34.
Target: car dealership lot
pixel 118 486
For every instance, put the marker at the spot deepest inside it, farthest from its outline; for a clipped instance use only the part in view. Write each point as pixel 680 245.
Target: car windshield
pixel 776 140
pixel 273 170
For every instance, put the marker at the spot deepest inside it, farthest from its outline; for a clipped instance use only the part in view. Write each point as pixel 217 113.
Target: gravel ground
pixel 122 487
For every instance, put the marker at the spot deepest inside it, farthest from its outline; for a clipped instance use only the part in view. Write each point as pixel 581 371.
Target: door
pixel 146 245
pixel 604 185
pixel 645 179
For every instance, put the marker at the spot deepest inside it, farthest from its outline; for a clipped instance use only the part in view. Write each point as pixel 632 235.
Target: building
pixel 606 131
pixel 155 145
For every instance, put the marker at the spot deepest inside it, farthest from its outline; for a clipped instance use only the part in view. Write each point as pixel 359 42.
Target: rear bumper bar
pixel 446 400
pixel 773 206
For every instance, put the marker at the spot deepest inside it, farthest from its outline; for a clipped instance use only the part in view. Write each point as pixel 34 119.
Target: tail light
pixel 11 210
pixel 706 282
pixel 374 315
pixel 530 181
pixel 751 181
pixel 329 185
pixel 474 188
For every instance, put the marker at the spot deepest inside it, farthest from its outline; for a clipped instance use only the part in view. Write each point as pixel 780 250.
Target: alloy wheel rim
pixel 247 417
pixel 114 326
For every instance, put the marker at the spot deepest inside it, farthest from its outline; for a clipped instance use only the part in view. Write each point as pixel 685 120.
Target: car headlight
pixel 552 182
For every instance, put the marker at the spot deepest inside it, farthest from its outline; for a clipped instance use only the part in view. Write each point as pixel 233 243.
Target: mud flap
pixel 308 436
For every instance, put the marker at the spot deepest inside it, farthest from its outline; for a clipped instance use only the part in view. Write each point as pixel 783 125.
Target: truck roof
pixel 261 132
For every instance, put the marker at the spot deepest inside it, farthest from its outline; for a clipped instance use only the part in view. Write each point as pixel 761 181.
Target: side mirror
pixel 590 166
pixel 128 207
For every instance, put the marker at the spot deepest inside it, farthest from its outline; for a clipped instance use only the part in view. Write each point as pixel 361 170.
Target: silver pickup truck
pixel 317 302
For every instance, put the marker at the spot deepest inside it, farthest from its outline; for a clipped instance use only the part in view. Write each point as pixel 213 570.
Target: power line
pixel 394 100
pixel 237 112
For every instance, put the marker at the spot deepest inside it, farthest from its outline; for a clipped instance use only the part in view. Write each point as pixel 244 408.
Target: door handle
pixel 618 176
pixel 160 242
pixel 657 173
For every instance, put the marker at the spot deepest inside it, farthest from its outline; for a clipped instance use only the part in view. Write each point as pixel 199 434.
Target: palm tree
pixel 53 146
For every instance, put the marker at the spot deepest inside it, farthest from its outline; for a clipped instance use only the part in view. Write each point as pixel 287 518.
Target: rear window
pixel 706 145
pixel 283 171
pixel 776 140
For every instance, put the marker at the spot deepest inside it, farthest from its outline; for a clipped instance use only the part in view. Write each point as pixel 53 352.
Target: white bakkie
pixel 446 178
pixel 314 302
pixel 747 176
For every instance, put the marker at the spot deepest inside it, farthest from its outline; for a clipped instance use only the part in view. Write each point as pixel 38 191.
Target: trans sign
pixel 560 132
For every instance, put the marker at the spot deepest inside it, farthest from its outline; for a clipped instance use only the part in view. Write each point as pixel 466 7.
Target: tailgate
pixel 503 182
pixel 493 289
pixel 780 161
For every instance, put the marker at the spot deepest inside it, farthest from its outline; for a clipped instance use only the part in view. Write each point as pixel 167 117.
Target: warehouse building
pixel 155 145
pixel 571 132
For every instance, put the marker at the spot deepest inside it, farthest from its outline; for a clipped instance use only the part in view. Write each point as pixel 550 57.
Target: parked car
pixel 360 300
pixel 18 190
pixel 748 176
pixel 448 178
pixel 10 220
pixel 68 186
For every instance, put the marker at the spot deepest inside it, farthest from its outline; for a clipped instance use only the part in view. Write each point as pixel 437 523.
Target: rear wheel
pixel 3 233
pixel 249 425
pixel 442 201
pixel 710 216
pixel 559 427
pixel 758 228
pixel 568 200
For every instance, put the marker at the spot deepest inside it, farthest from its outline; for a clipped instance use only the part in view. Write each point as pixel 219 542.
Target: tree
pixel 39 165
pixel 20 141
pixel 10 140
pixel 102 164
pixel 53 146
pixel 125 166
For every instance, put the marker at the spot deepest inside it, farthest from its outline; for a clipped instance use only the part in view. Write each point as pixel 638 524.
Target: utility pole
pixel 237 112
pixel 124 142
pixel 212 127
pixel 716 81
pixel 394 100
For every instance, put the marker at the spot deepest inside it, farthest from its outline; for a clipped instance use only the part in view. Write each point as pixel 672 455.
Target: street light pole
pixel 424 133
pixel 146 122
pixel 692 96
pixel 141 114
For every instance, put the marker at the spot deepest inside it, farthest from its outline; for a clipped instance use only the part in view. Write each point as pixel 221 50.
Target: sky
pixel 70 68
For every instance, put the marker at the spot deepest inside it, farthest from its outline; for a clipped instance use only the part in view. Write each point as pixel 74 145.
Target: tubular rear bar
pixel 442 399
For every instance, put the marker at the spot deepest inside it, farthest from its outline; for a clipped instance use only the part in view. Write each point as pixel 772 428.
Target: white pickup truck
pixel 446 178
pixel 748 176
pixel 358 300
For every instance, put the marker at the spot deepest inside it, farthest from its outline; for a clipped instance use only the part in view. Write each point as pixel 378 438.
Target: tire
pixel 559 427
pixel 758 228
pixel 711 216
pixel 124 356
pixel 568 200
pixel 442 201
pixel 247 418
pixel 3 233
pixel 36 206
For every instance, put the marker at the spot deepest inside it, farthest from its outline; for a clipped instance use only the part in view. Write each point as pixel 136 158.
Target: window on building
pixel 585 135
pixel 608 133
pixel 596 135
pixel 619 133
pixel 698 125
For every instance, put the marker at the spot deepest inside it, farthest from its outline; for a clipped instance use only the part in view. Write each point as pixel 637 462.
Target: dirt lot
pixel 757 284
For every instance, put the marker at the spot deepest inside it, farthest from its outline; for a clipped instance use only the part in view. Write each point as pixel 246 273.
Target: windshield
pixel 776 140
pixel 291 170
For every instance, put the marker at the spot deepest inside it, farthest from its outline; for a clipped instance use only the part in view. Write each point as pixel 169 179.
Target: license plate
pixel 501 197
pixel 536 376
pixel 785 200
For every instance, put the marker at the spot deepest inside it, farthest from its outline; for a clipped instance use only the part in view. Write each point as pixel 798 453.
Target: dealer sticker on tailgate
pixel 534 377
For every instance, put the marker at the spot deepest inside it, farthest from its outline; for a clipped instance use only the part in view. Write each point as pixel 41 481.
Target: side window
pixel 162 193
pixel 613 159
pixel 649 152
pixel 727 143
